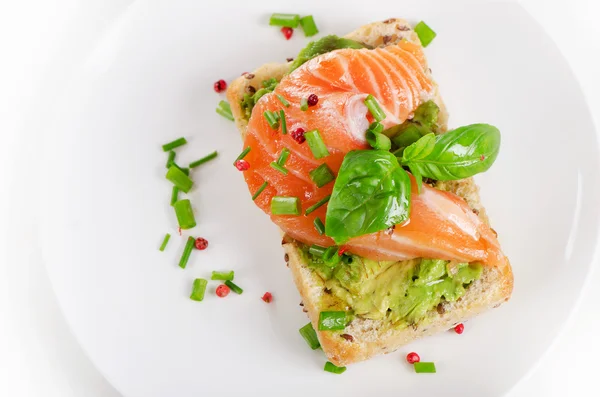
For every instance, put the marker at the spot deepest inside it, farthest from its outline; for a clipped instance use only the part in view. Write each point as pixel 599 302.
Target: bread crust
pixel 373 337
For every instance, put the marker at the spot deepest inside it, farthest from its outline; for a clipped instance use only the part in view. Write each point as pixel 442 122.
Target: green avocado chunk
pixel 322 46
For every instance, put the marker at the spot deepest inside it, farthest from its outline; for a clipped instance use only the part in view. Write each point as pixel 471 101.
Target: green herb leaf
pixel 420 149
pixel 322 46
pixel 371 193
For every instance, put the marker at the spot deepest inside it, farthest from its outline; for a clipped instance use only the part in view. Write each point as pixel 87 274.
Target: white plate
pixel 105 203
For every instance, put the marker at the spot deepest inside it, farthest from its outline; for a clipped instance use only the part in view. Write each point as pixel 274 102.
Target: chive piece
pixel 378 141
pixel 424 368
pixel 331 257
pixel 174 195
pixel 260 190
pixel 185 214
pixel 304 104
pixel 279 168
pixel 189 246
pixel 425 33
pixel 283 101
pixel 373 106
pixel 286 20
pixel 316 144
pixel 179 178
pixel 175 144
pixel 317 250
pixel 222 275
pixel 330 367
pixel 281 205
pixel 319 225
pixel 198 290
pixel 322 175
pixel 182 169
pixel 347 259
pixel 243 154
pixel 332 321
pixel 165 242
pixel 310 336
pixel 234 287
pixel 285 153
pixel 309 26
pixel 171 159
pixel 225 106
pixel 317 204
pixel 204 159
pixel 283 122
pixel 224 110
pixel 228 116
pixel 376 127
pixel 271 119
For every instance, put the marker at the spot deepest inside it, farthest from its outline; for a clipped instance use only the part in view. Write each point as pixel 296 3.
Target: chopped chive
pixel 316 144
pixel 378 141
pixel 179 178
pixel 319 225
pixel 243 154
pixel 281 205
pixel 283 101
pixel 425 33
pixel 332 321
pixel 224 110
pixel 225 106
pixel 279 168
pixel 283 122
pixel 234 287
pixel 222 275
pixel 182 169
pixel 165 242
pixel 199 289
pixel 175 144
pixel 304 104
pixel 347 259
pixel 204 159
pixel 373 106
pixel 185 256
pixel 376 127
pixel 171 158
pixel 424 368
pixel 317 250
pixel 322 175
pixel 310 336
pixel 286 20
pixel 272 119
pixel 330 367
pixel 185 214
pixel 285 153
pixel 174 195
pixel 309 26
pixel 331 257
pixel 260 190
pixel 317 204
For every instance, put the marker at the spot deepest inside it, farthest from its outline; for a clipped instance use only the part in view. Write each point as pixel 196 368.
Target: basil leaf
pixel 420 149
pixel 458 154
pixel 371 193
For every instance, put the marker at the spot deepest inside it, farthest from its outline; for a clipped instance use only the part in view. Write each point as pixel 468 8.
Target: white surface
pixel 78 380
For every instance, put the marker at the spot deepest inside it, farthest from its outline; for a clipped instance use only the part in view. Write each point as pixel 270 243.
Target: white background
pixel 41 43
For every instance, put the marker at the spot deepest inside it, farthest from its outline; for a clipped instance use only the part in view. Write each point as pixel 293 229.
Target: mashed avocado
pixel 249 101
pixel 403 292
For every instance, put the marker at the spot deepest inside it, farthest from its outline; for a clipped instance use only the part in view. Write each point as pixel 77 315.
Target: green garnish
pixel 281 205
pixel 425 33
pixel 283 101
pixel 165 242
pixel 204 159
pixel 310 336
pixel 317 250
pixel 286 20
pixel 319 225
pixel 322 46
pixel 243 154
pixel 332 321
pixel 175 144
pixel 283 122
pixel 424 368
pixel 318 204
pixel 322 175
pixel 285 153
pixel 330 367
pixel 179 178
pixel 373 106
pixel 304 104
pixel 222 275
pixel 174 195
pixel 199 289
pixel 185 214
pixel 272 119
pixel 185 170
pixel 331 257
pixel 316 144
pixel 187 250
pixel 309 26
pixel 378 141
pixel 234 287
pixel 275 165
pixel 225 110
pixel 170 159
pixel 260 190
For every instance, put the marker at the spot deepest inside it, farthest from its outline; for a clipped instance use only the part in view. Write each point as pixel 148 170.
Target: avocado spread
pixel 248 101
pixel 323 46
pixel 402 292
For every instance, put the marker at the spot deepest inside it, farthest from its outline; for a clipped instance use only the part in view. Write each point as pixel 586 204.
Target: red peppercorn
pixel 201 243
pixel 220 86
pixel 267 297
pixel 342 251
pixel 242 165
pixel 222 291
pixel 413 358
pixel 298 135
pixel 460 328
pixel 287 32
pixel 312 100
pixel 482 157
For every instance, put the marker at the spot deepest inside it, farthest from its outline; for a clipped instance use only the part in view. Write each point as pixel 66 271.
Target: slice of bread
pixel 365 338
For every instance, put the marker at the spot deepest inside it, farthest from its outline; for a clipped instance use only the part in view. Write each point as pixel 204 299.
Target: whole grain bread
pixel 365 338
